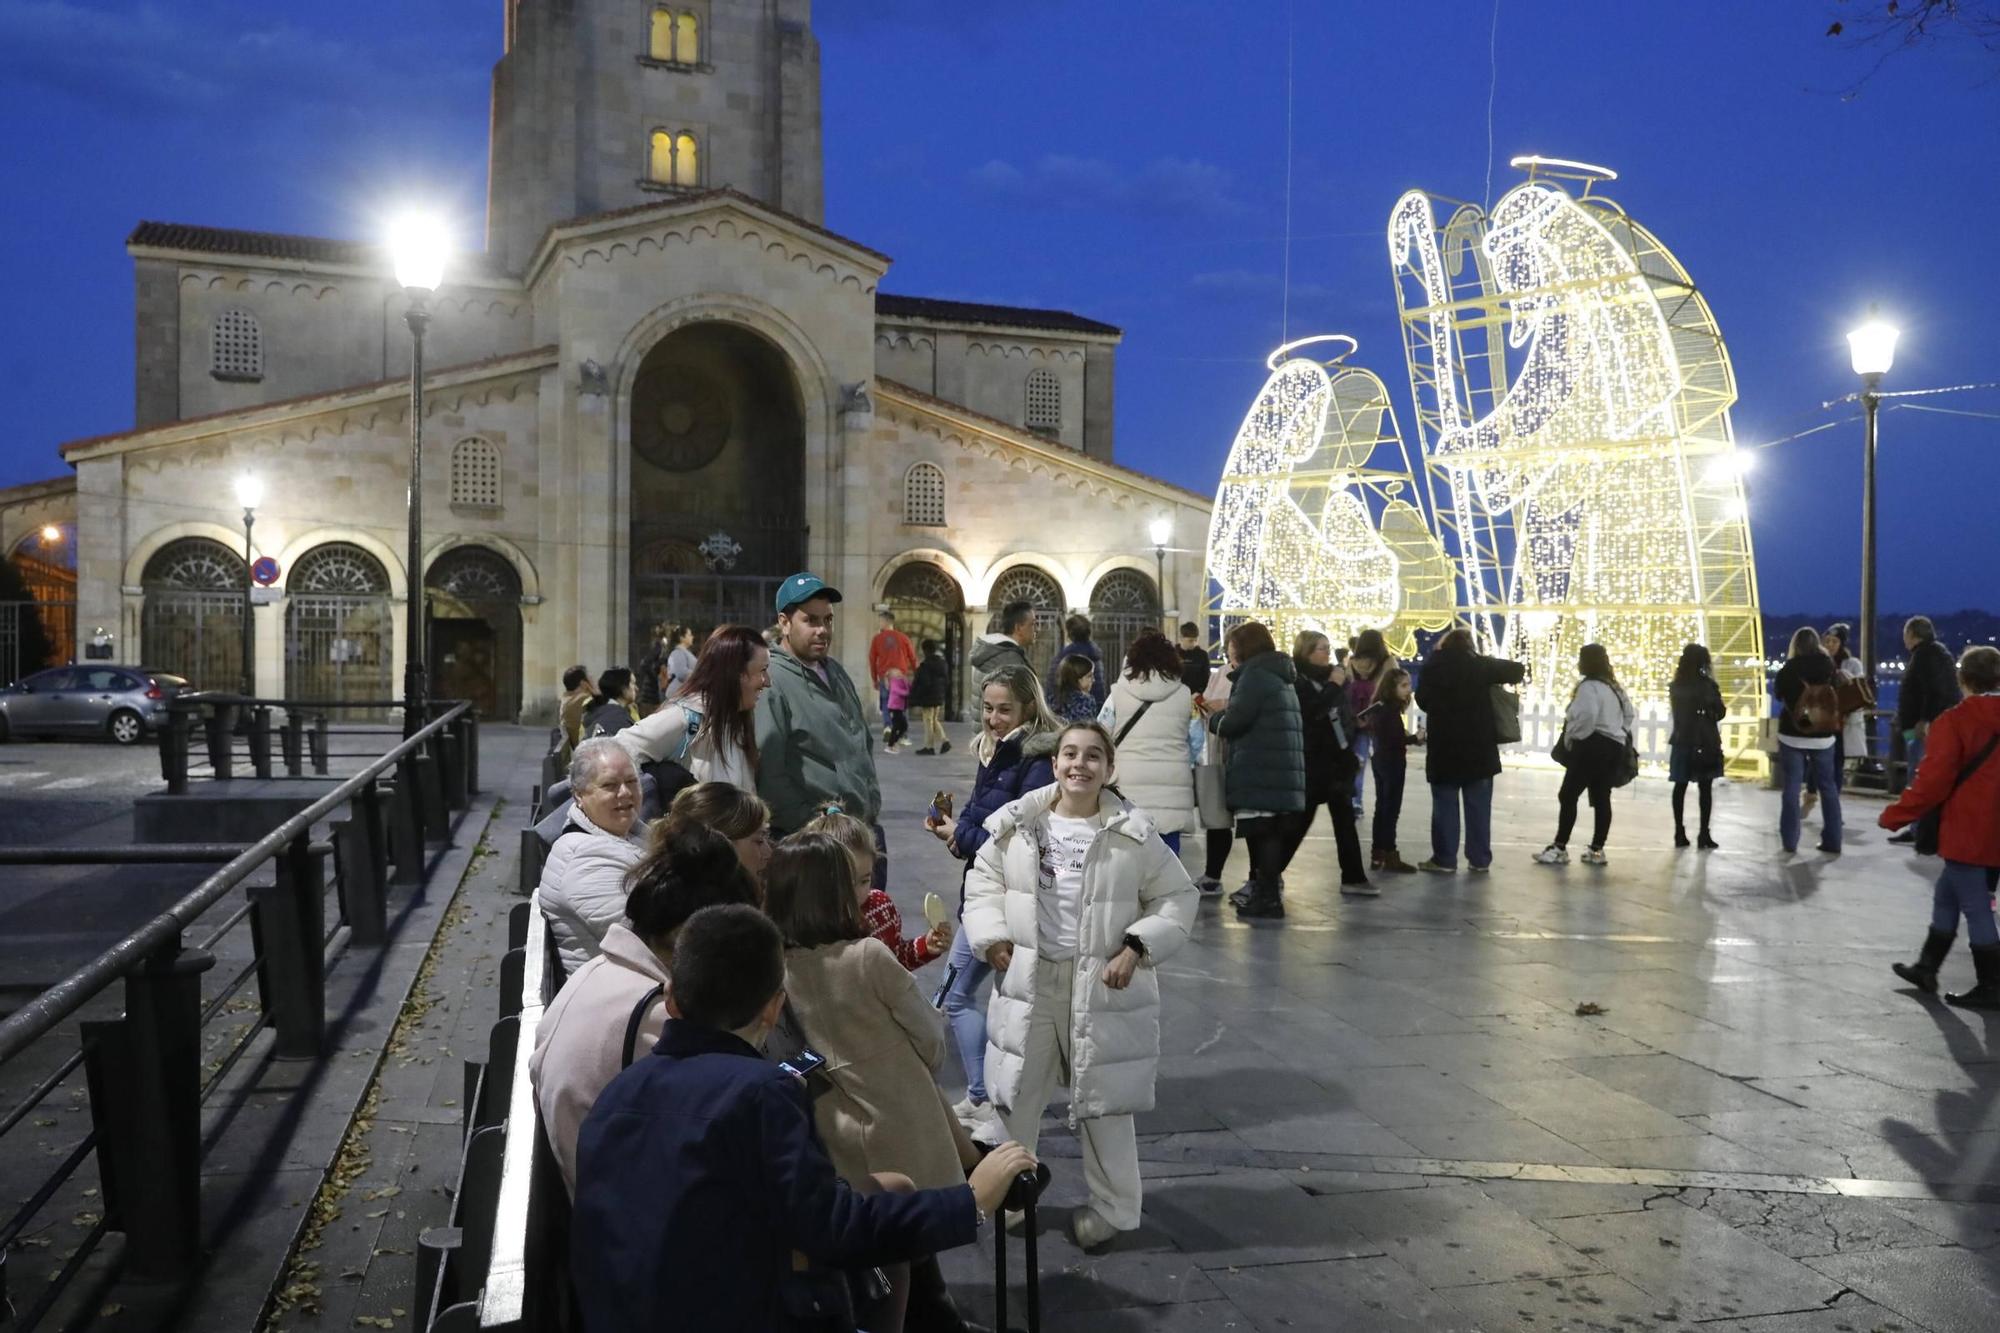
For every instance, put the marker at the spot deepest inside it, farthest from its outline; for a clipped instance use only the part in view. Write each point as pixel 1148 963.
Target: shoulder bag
pixel 1932 824
pixel 1506 715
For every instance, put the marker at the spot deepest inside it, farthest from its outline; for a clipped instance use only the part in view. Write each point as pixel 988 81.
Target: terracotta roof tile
pixel 280 245
pixel 889 306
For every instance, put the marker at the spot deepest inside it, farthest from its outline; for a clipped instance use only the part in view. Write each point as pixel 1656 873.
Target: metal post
pixel 407 825
pixel 260 741
pixel 249 628
pixel 1871 402
pixel 218 726
pixel 174 739
pixel 363 904
pixel 471 725
pixel 1160 581
pixel 288 925
pixel 430 799
pixel 418 317
pixel 144 1075
pixel 368 814
pixel 319 744
pixel 294 742
pixel 451 766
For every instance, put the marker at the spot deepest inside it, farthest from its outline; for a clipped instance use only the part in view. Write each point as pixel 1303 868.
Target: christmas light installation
pixel 1572 400
pixel 1316 524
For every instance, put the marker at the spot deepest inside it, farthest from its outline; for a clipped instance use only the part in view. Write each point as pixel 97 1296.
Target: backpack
pixel 1818 710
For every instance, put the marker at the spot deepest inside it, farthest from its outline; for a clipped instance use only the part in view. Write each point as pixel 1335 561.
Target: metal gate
pixel 701 601
pixel 930 605
pixel 1123 605
pixel 23 651
pixel 192 623
pixel 1025 583
pixel 339 627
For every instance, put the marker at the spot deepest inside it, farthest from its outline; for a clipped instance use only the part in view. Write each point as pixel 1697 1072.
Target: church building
pixel 663 386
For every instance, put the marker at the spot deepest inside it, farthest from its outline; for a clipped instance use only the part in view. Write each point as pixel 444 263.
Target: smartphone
pixel 805 1064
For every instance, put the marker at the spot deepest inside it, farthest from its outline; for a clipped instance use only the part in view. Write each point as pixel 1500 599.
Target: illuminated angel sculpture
pixel 1573 399
pixel 1314 525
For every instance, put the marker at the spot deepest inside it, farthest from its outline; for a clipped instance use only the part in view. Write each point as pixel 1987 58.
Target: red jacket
pixel 890 648
pixel 1971 829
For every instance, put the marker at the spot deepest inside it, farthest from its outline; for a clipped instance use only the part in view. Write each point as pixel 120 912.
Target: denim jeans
pixel 1478 798
pixel 964 1014
pixel 882 701
pixel 1364 747
pixel 1799 767
pixel 1965 890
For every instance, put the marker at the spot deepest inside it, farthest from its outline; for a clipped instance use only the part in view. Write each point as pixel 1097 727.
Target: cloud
pixel 1164 187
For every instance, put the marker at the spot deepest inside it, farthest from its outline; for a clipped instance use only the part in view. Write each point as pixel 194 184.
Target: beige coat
pixel 580 1046
pixel 881 1040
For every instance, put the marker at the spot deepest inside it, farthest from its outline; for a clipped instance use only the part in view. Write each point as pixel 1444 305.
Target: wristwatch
pixel 1136 945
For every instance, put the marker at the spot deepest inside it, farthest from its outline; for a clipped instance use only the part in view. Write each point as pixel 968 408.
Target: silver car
pixel 121 702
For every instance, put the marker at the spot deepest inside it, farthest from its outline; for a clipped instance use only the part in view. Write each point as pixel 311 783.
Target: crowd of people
pixel 740 1076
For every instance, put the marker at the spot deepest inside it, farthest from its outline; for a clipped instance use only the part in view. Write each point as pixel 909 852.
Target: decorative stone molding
pixel 687 231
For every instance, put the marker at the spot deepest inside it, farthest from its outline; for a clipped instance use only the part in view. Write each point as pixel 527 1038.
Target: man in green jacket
pixel 815 746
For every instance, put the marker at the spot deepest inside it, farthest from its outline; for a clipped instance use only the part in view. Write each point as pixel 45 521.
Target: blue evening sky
pixel 1126 159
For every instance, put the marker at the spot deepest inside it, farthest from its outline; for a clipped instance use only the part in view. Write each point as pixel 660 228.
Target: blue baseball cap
pixel 803 587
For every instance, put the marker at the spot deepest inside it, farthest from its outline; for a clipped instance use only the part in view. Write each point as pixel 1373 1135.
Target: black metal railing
pixel 148 1072
pixel 237 728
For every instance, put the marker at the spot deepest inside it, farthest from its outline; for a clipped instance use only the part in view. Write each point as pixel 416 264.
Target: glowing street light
pixel 418 248
pixel 1872 350
pixel 51 534
pixel 1161 530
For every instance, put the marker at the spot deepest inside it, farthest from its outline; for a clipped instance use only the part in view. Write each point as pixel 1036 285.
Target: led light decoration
pixel 1572 397
pixel 1314 525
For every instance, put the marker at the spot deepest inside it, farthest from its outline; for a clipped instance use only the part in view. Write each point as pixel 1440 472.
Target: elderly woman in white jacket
pixel 582 890
pixel 1596 731
pixel 1073 901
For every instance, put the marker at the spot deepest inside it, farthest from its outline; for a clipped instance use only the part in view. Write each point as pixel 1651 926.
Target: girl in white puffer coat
pixel 1074 900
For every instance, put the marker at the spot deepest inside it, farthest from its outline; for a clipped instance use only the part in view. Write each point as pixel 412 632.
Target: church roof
pixel 278 245
pixel 682 201
pixel 889 306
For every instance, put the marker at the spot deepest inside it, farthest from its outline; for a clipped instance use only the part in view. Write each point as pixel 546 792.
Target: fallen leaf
pixel 374 1321
pixel 1589 1008
pixel 109 1310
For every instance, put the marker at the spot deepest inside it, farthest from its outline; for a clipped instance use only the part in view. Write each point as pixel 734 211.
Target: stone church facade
pixel 662 387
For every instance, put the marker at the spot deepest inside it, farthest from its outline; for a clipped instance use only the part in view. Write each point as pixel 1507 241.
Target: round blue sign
pixel 265 571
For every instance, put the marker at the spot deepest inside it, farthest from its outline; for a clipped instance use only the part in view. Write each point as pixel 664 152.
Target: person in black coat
pixel 927 695
pixel 1331 762
pixel 1456 693
pixel 1930 685
pixel 1264 773
pixel 1695 749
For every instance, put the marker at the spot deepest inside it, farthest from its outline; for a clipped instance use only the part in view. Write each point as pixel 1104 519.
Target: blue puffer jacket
pixel 1019 765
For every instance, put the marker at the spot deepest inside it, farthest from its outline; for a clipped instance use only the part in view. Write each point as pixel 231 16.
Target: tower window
pixel 674 158
pixel 236 347
pixel 923 495
pixel 475 473
pixel 674 37
pixel 1044 402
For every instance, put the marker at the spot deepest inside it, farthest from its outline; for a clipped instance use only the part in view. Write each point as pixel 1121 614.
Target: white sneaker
pixel 1553 855
pixel 1593 857
pixel 982 1122
pixel 1089 1230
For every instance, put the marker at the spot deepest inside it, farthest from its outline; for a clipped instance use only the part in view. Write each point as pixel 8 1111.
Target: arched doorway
pixel 474 599
pixel 1124 604
pixel 718 480
pixel 192 622
pixel 929 604
pixel 339 626
pixel 38 602
pixel 1025 583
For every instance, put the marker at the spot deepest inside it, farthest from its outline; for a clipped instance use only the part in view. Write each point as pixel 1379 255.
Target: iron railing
pixel 237 727
pixel 147 1072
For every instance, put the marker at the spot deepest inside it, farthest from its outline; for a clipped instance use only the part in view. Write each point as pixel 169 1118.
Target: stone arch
pixel 944 560
pixel 524 568
pixel 929 601
pixel 473 597
pixel 191 613
pixel 340 625
pixel 1124 603
pixel 1023 579
pixel 301 546
pixel 152 543
pixel 1047 564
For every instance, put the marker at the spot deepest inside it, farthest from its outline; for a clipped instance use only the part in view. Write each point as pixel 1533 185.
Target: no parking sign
pixel 264 571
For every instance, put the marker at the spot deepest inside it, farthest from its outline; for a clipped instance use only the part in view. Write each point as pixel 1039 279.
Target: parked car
pixel 93 699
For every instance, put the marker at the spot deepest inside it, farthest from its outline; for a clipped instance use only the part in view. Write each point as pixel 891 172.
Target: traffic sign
pixel 265 571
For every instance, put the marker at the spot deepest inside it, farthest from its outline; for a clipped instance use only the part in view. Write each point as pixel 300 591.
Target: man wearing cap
pixel 815 746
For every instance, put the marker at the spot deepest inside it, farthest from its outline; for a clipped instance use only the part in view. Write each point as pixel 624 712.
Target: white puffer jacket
pixel 1131 885
pixel 1153 768
pixel 582 890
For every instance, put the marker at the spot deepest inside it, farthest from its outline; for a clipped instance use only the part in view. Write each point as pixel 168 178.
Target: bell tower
pixel 603 104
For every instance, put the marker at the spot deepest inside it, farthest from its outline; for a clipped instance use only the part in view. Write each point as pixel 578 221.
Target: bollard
pixel 174 750
pixel 435 1245
pixel 430 800
pixel 513 980
pixel 260 741
pixel 533 855
pixel 406 831
pixel 363 904
pixel 218 725
pixel 471 723
pixel 288 925
pixel 319 744
pixel 144 1075
pixel 294 742
pixel 451 771
pixel 368 814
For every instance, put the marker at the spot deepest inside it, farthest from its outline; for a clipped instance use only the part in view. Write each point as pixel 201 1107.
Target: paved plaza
pixel 1390 1113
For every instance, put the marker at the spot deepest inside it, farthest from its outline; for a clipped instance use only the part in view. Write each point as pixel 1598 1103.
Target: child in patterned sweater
pixel 878 910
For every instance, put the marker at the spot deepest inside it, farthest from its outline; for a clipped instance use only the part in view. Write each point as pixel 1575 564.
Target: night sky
pixel 1126 160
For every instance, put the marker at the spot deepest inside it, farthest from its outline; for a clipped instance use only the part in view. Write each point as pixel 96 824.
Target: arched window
pixel 236 347
pixel 660 35
pixel 475 473
pixel 674 159
pixel 1044 402
pixel 923 495
pixel 687 40
pixel 674 38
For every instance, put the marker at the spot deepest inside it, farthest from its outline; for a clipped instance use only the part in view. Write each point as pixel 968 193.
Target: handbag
pixel 1560 751
pixel 1628 763
pixel 1852 694
pixel 1932 824
pixel 1506 715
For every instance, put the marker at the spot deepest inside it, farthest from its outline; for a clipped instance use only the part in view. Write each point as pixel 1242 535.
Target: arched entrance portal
pixel 718 481
pixel 192 623
pixel 474 599
pixel 929 604
pixel 1025 583
pixel 339 626
pixel 1123 605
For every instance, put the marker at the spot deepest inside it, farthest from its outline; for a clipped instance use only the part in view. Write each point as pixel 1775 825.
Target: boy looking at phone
pixel 704 1197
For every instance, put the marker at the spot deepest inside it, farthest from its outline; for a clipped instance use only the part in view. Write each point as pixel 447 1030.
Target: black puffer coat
pixel 1267 753
pixel 1455 691
pixel 1330 764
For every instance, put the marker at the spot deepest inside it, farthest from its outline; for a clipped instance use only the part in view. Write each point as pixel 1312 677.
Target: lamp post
pixel 249 494
pixel 418 247
pixel 1872 349
pixel 1161 530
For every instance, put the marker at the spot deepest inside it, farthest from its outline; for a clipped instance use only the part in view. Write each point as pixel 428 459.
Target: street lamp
pixel 1161 530
pixel 249 494
pixel 418 246
pixel 1872 349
